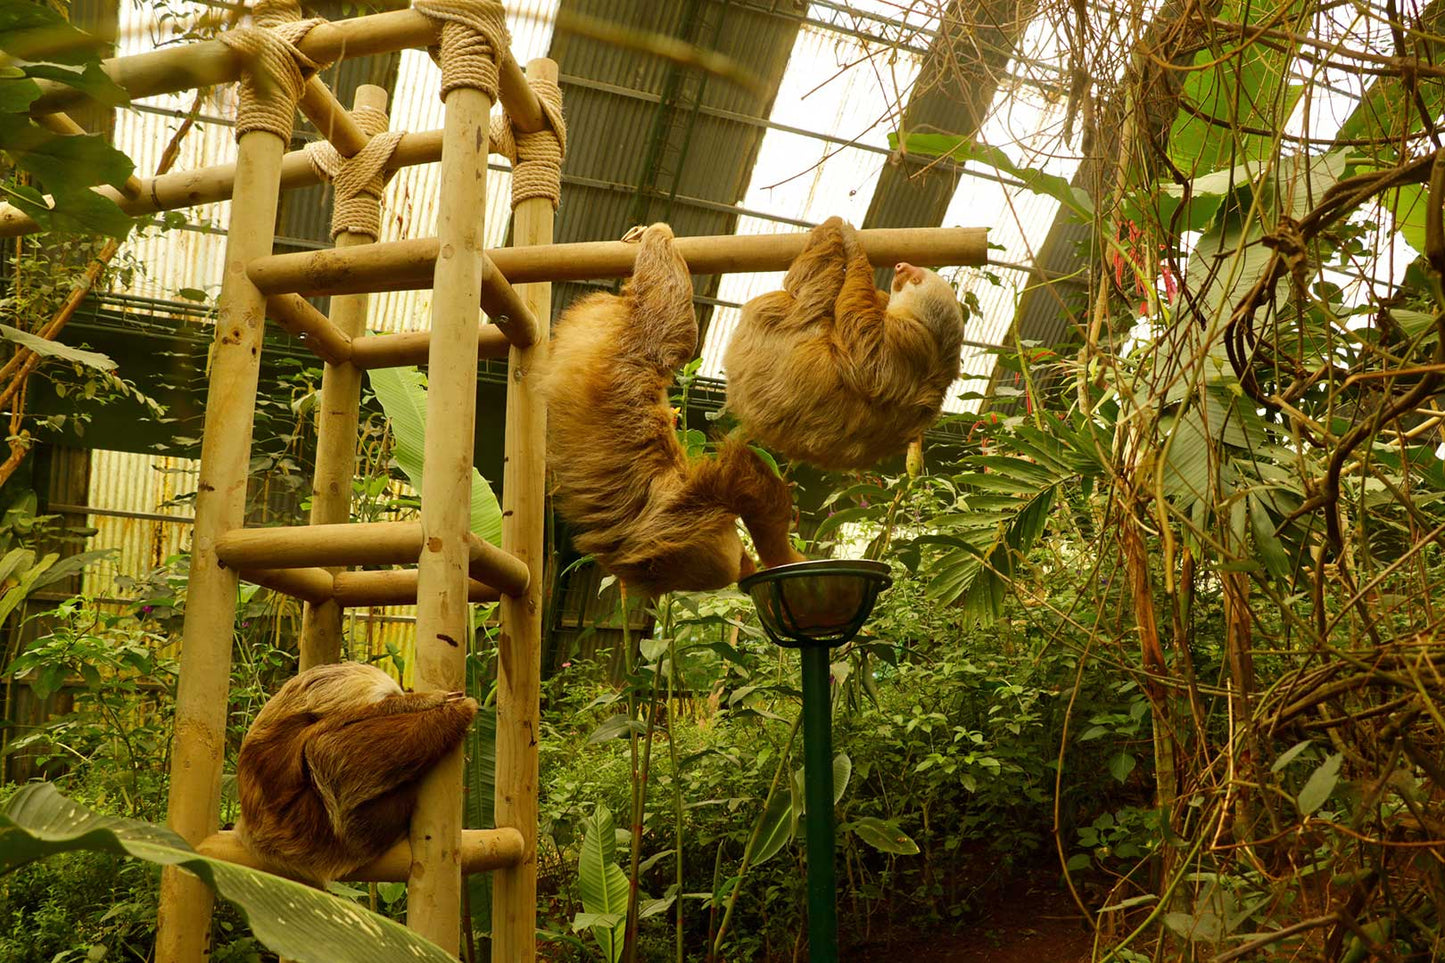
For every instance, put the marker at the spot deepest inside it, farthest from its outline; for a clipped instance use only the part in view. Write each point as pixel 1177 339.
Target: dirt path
pixel 1030 922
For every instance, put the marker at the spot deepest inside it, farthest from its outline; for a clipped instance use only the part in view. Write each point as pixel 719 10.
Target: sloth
pixel 834 372
pixel 649 513
pixel 328 772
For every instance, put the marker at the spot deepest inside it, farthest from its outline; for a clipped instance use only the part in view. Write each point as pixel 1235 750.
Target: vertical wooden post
pixel 183 923
pixel 524 484
pixel 337 424
pixel 434 889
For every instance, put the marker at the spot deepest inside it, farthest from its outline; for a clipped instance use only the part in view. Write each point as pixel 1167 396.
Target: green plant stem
pixel 629 939
pixel 676 776
pixel 753 838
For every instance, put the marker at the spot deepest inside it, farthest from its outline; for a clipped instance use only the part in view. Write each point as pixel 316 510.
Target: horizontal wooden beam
pixel 489 564
pixel 212 62
pixel 310 326
pixel 315 547
pixel 206 185
pixel 304 546
pixel 407 265
pixel 482 851
pixel 411 347
pixel 307 584
pixel 388 266
pixel 393 587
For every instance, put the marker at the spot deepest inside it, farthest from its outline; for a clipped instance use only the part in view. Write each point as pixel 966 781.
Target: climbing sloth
pixel 648 513
pixel 328 772
pixel 832 371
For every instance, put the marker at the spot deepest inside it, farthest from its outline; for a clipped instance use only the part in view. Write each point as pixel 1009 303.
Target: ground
pixel 1030 921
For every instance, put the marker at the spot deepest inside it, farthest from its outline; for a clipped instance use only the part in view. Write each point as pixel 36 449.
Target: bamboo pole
pixel 308 584
pixel 404 265
pixel 338 418
pixel 410 348
pixel 205 185
pixel 519 664
pixel 333 121
pixel 483 850
pixel 434 888
pixel 494 566
pixel 212 62
pixel 302 546
pixel 390 266
pixel 183 922
pixel 315 330
pixel 393 587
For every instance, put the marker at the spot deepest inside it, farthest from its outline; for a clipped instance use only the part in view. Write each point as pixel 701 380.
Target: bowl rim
pixel 867 568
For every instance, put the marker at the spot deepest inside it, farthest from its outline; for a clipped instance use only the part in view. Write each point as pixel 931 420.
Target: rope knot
pixel 474 39
pixel 360 180
pixel 276 70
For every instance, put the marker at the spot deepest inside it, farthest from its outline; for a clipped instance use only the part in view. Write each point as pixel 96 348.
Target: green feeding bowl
pixel 816 603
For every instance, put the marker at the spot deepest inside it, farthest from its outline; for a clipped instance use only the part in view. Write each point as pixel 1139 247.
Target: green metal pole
pixel 818 792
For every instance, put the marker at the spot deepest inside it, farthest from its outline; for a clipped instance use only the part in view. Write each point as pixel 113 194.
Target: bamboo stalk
pixel 404 265
pixel 333 121
pixel 394 587
pixel 410 348
pixel 316 331
pixel 494 566
pixel 302 546
pixel 514 890
pixel 389 266
pixel 312 585
pixel 212 62
pixel 483 850
pixel 205 185
pixel 434 887
pixel 183 930
pixel 338 418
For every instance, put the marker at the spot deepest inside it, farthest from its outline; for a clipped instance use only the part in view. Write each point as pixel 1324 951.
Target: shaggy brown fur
pixel 832 371
pixel 656 519
pixel 328 772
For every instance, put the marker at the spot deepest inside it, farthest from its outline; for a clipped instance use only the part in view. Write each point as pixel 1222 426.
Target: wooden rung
pixel 482 851
pixel 307 584
pixel 204 185
pixel 388 266
pixel 489 564
pixel 359 543
pixel 393 587
pixel 304 546
pixel 333 120
pixel 505 307
pixel 314 329
pixel 407 265
pixel 410 347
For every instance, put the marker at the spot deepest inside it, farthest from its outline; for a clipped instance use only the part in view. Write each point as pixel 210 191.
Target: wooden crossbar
pixel 332 345
pixel 213 62
pixel 353 589
pixel 407 265
pixel 315 547
pixel 482 851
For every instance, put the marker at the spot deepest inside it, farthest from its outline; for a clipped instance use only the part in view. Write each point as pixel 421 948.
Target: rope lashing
pixel 359 180
pixel 536 156
pixel 474 37
pixel 276 71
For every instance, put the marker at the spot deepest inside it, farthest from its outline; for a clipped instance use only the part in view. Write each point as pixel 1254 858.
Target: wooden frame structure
pixel 452 567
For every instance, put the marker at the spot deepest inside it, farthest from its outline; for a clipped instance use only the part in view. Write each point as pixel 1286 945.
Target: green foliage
pixel 65 167
pixel 295 920
pixel 602 885
pixel 402 392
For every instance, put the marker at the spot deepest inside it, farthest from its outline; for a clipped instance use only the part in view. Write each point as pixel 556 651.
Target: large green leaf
pixel 294 920
pixel 35 31
pixel 780 821
pixel 54 349
pixel 602 884
pixel 402 393
pixel 883 835
pixel 1320 784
